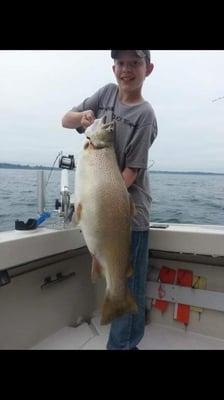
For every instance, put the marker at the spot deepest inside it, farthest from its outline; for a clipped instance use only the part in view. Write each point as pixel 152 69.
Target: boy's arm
pixel 129 175
pixel 74 119
pixel 83 115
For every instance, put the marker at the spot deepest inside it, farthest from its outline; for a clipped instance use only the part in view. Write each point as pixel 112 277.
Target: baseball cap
pixel 140 53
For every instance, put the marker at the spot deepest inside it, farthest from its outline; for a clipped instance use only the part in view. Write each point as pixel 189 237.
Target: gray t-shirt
pixel 136 130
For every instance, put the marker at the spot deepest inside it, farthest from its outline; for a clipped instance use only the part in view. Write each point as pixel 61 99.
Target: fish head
pixel 100 133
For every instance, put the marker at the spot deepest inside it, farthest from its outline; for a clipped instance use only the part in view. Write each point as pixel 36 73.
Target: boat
pixel 47 299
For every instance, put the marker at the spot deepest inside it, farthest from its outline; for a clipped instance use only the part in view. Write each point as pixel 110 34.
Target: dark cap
pixel 140 53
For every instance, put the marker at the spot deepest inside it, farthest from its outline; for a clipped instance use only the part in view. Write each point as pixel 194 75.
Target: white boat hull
pixel 39 309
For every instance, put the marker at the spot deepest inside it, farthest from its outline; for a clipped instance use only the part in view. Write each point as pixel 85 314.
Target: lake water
pixel 177 198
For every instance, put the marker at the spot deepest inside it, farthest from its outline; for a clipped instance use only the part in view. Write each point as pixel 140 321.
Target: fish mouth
pixel 90 143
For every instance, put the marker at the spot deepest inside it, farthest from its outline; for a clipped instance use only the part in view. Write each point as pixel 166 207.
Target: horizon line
pixel 2 164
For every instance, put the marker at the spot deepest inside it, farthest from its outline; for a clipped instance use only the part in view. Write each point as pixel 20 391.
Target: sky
pixel 38 87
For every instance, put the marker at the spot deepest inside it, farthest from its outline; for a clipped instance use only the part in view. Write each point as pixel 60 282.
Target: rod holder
pixel 40 192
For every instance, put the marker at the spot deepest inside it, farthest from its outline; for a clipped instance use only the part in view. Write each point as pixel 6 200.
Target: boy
pixel 136 129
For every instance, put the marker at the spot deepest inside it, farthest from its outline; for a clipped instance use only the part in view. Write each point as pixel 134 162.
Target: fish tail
pixel 112 308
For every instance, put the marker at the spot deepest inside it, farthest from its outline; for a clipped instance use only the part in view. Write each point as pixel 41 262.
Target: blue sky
pixel 38 87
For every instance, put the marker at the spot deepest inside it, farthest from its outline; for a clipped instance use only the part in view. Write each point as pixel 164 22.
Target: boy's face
pixel 131 70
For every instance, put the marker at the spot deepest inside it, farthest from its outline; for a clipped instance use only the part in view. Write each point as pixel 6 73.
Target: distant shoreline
pixel 18 166
pixel 41 167
pixel 186 172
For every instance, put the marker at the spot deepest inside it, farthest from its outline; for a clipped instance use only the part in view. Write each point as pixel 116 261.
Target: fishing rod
pixel 219 98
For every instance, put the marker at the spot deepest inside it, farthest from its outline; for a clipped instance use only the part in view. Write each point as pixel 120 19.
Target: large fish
pixel 103 209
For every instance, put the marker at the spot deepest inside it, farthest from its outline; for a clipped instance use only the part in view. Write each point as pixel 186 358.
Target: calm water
pixel 177 198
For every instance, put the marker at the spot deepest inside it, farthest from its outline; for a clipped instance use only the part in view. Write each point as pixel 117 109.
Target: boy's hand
pixel 87 119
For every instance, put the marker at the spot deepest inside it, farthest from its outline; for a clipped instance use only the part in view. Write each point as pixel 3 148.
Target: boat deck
pixel 157 337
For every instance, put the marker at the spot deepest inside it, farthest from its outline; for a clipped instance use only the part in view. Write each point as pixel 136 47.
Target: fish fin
pixel 86 145
pixel 132 206
pixel 129 271
pixel 96 269
pixel 78 213
pixel 112 309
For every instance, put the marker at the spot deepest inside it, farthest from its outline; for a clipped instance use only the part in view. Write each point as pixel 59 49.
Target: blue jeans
pixel 127 330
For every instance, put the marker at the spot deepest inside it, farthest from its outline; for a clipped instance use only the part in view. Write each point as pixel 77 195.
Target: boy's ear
pixel 113 68
pixel 149 68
